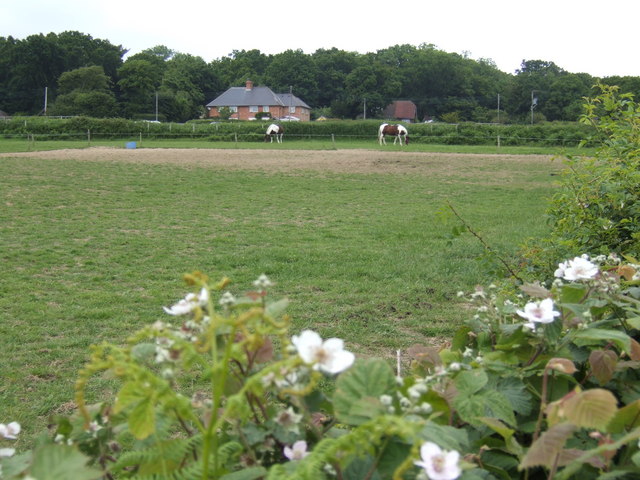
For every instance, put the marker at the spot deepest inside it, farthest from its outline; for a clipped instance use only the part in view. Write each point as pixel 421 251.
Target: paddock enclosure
pixel 338 161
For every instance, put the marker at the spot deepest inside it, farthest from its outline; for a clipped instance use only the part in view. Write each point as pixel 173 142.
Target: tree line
pixel 81 75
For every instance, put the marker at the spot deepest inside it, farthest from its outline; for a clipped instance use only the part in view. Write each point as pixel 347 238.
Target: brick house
pixel 245 102
pixel 403 110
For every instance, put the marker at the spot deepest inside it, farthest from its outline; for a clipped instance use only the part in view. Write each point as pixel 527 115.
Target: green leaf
pixel 469 382
pixel 515 391
pixel 361 467
pixel 627 418
pixel 251 473
pixel 597 336
pixel 548 447
pixel 449 438
pixel 356 399
pixel 129 394
pixel 593 408
pixel 62 462
pixel 499 406
pixel 142 419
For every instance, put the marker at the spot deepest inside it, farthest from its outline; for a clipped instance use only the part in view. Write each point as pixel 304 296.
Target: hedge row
pixel 548 134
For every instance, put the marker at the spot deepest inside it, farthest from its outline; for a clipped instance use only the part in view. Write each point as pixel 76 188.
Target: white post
pixel 45 99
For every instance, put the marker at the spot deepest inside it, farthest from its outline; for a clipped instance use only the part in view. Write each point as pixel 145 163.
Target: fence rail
pixel 454 138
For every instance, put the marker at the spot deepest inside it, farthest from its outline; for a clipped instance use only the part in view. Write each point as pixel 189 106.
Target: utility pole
pixel 45 100
pixel 534 104
pixel 156 106
pixel 498 108
pixel 364 110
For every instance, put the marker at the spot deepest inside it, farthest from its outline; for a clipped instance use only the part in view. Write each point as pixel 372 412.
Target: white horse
pixel 274 131
pixel 399 132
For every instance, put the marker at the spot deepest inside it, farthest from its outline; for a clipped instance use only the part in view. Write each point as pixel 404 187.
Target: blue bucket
pixel 130 145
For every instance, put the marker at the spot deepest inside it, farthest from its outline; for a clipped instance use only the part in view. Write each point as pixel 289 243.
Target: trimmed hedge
pixel 545 134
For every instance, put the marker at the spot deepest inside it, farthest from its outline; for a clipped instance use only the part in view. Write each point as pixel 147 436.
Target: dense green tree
pixel 138 84
pixel 237 68
pixel 333 66
pixel 85 91
pixel 294 70
pixel 183 87
pixel 379 84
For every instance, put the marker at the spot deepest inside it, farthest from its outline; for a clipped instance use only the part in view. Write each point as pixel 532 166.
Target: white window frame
pixel 233 109
pixel 292 109
pixel 265 108
pixel 253 108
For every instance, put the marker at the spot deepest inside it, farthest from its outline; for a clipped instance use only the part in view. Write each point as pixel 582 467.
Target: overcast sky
pixel 593 36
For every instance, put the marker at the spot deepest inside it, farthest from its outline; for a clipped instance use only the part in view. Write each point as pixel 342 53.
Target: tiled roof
pixel 242 96
pixel 401 109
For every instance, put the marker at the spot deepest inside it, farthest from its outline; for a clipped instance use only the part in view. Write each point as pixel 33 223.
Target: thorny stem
pixel 485 244
pixel 543 403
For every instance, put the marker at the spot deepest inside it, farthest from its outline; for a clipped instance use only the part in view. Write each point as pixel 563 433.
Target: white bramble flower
pixel 297 452
pixel 538 312
pixel 386 400
pixel 10 431
pixel 189 303
pixel 263 282
pixel 227 299
pixel 289 419
pixel 328 356
pixel 580 268
pixel 7 452
pixel 439 464
pixel 455 366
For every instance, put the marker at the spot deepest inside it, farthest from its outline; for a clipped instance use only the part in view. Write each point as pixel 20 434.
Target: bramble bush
pixel 540 385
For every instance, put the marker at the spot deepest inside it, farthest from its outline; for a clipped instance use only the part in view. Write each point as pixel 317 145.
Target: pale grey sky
pixel 592 36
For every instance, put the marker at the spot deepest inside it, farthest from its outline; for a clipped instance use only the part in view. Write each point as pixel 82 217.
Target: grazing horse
pixel 274 131
pixel 398 131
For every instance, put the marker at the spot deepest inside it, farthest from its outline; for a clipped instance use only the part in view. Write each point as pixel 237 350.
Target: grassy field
pixel 91 251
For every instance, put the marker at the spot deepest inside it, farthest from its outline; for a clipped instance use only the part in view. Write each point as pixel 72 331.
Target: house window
pixel 253 109
pixel 265 108
pixel 233 109
pixel 292 109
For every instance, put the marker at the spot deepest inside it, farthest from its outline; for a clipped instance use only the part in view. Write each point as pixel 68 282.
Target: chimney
pixel 249 85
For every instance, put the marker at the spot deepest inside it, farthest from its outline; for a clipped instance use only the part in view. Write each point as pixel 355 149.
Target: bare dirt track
pixel 337 161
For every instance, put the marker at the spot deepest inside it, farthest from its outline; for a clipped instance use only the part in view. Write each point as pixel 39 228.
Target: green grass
pixel 91 251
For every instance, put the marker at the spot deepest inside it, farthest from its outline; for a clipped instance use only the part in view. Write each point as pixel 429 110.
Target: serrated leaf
pixel 356 399
pixel 592 408
pixel 626 418
pixel 129 394
pixel 548 447
pixel 603 364
pixel 142 419
pixel 469 382
pixel 499 406
pixel 517 394
pixel 62 462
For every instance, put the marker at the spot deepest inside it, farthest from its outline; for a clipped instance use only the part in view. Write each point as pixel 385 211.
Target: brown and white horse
pixel 274 131
pixel 398 131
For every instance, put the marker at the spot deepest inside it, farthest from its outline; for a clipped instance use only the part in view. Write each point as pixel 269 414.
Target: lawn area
pixel 92 250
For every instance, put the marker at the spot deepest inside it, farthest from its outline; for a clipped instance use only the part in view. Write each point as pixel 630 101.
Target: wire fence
pixel 140 138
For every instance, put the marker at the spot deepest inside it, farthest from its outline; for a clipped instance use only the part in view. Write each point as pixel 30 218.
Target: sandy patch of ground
pixel 338 161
